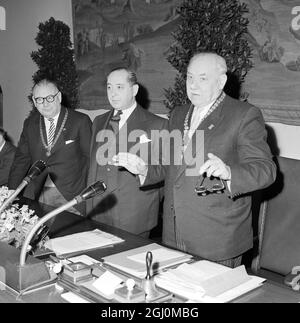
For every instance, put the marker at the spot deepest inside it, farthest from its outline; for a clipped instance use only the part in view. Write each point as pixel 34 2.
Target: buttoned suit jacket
pixel 124 204
pixel 68 163
pixel 217 226
pixel 6 158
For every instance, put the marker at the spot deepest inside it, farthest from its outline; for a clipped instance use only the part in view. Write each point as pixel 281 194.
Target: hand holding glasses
pixel 203 190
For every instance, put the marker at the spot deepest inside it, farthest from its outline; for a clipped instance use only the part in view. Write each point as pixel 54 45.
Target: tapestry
pixel 138 33
pixel 273 84
pixel 134 33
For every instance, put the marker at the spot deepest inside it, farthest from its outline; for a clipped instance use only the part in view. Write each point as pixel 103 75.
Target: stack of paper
pixel 82 241
pixel 134 261
pixel 205 281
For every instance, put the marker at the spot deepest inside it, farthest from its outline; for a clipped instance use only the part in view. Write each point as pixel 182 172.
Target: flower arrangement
pixel 15 221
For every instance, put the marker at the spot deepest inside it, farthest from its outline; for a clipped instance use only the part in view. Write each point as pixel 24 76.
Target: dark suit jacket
pixel 218 226
pixel 6 158
pixel 69 159
pixel 124 204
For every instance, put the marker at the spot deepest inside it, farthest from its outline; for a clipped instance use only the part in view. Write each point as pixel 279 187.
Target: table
pixel 67 223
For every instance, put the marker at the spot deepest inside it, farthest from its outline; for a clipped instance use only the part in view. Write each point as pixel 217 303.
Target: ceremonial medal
pixel 188 117
pixel 49 147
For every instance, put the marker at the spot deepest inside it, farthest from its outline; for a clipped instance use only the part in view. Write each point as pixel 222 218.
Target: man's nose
pixel 194 84
pixel 45 103
pixel 113 93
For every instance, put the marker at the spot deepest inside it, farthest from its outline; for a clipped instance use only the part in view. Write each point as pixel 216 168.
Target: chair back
pixel 279 221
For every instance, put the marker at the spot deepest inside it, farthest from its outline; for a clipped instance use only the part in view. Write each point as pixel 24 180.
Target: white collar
pixel 55 119
pixel 202 111
pixel 2 145
pixel 125 114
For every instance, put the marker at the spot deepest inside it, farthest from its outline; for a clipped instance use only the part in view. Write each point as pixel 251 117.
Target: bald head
pixel 206 78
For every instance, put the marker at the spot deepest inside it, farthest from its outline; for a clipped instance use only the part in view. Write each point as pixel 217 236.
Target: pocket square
pixel 69 142
pixel 144 139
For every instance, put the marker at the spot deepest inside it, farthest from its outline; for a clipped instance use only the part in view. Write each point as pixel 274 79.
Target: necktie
pixel 51 131
pixel 114 121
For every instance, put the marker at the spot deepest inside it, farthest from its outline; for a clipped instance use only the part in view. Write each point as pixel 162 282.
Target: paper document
pixel 82 241
pixel 134 261
pixel 205 281
pixel 85 259
pixel 73 298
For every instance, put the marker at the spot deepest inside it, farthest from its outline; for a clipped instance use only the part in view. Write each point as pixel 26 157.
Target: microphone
pixel 98 187
pixel 91 191
pixel 35 170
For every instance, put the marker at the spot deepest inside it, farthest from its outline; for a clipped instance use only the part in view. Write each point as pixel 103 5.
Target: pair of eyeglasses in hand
pixel 203 190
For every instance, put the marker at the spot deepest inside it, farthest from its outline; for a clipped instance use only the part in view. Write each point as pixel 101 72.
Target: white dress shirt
pixel 47 124
pixel 125 114
pixel 1 147
pixel 197 117
pixel 49 182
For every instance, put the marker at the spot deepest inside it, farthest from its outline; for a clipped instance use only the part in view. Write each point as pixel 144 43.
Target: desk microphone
pixel 89 192
pixel 35 170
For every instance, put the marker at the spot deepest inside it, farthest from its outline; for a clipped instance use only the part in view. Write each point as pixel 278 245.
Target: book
pixel 207 282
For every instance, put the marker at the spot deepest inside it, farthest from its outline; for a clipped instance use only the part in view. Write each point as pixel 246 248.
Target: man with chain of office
pixel 60 137
pixel 207 209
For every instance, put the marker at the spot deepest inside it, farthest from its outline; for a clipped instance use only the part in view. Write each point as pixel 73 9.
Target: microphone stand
pixel 35 170
pixel 44 219
pixel 89 192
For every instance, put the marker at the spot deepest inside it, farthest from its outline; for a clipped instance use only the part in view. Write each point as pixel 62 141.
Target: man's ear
pixel 222 81
pixel 59 96
pixel 135 89
pixel 33 100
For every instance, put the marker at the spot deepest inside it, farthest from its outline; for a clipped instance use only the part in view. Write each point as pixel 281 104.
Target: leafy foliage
pixel 208 26
pixel 55 59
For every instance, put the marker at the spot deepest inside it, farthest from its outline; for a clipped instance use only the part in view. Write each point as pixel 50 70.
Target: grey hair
pixel 45 81
pixel 220 61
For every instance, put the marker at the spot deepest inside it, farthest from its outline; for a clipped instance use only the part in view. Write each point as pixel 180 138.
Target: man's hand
pixel 131 162
pixel 214 166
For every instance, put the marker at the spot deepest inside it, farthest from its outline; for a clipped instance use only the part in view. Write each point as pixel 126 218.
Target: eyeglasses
pixel 202 190
pixel 50 98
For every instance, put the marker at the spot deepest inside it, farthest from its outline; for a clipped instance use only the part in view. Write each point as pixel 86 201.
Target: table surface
pixel 66 223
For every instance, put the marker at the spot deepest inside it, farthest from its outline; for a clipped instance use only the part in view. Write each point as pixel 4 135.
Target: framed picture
pixel 133 33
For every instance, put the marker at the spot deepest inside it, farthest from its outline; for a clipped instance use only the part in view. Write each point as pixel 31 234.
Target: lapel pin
pixel 211 126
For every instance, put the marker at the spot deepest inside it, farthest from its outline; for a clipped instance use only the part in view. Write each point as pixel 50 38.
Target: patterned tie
pixel 51 131
pixel 114 121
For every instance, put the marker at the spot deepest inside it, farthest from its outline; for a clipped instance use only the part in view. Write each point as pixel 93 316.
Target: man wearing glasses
pixel 60 137
pixel 208 213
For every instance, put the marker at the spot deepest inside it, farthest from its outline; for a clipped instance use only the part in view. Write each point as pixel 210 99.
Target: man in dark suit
pixel 124 204
pixel 230 137
pixel 58 136
pixel 7 153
